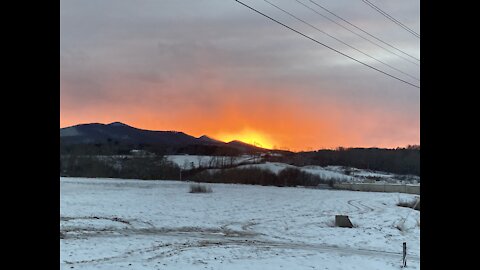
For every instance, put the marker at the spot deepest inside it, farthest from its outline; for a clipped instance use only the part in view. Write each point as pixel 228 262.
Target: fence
pixel 380 187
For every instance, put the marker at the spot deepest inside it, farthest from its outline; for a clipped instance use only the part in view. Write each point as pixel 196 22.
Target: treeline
pixel 147 168
pixel 114 147
pixel 159 168
pixel 399 160
pixel 289 177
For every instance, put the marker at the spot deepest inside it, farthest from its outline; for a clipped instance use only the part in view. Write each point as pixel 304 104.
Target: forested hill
pixel 400 160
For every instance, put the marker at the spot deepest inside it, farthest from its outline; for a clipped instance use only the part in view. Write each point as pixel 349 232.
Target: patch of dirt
pixel 136 226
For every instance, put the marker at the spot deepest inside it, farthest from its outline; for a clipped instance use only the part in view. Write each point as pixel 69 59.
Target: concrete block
pixel 343 221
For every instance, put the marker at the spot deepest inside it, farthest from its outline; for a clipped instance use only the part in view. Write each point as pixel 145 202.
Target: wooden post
pixel 180 174
pixel 404 263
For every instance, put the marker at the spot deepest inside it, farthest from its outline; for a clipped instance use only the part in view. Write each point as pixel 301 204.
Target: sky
pixel 217 68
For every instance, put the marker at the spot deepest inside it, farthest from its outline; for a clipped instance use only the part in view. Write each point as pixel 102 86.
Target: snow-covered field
pixel 328 172
pixel 194 161
pixel 134 224
pixel 325 173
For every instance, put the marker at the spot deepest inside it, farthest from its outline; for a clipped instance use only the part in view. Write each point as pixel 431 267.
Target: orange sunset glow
pixel 216 69
pixel 289 124
pixel 249 136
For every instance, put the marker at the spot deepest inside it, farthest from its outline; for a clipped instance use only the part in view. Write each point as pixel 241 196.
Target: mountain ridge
pixel 98 133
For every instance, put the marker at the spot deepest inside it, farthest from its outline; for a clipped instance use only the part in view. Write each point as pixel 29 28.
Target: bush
pixel 292 177
pixel 251 176
pixel 197 188
pixel 288 177
pixel 331 182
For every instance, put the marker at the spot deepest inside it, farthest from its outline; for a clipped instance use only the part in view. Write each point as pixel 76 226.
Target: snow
pixel 276 167
pixel 135 224
pixel 186 161
pixel 362 175
pixel 325 173
pixel 328 172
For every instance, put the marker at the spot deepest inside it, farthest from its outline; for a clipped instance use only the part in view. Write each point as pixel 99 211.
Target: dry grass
pixel 197 188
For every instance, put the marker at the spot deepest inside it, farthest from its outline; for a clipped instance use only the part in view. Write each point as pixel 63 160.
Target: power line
pixel 370 4
pixel 344 43
pixel 312 9
pixel 391 46
pixel 318 42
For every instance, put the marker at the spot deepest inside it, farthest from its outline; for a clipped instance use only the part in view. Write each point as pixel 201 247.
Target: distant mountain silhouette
pixel 96 133
pixel 208 140
pixel 242 145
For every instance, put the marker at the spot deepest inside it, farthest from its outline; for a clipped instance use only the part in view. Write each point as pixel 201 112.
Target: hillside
pixel 119 138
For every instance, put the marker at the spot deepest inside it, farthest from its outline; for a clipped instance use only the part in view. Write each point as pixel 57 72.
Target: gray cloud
pixel 121 50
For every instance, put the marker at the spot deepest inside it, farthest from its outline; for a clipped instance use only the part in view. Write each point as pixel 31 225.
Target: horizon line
pixel 308 149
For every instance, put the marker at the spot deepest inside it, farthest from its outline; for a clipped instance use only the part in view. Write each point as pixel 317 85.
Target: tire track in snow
pixel 370 209
pixel 361 207
pixel 350 202
pixel 122 256
pixel 157 252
